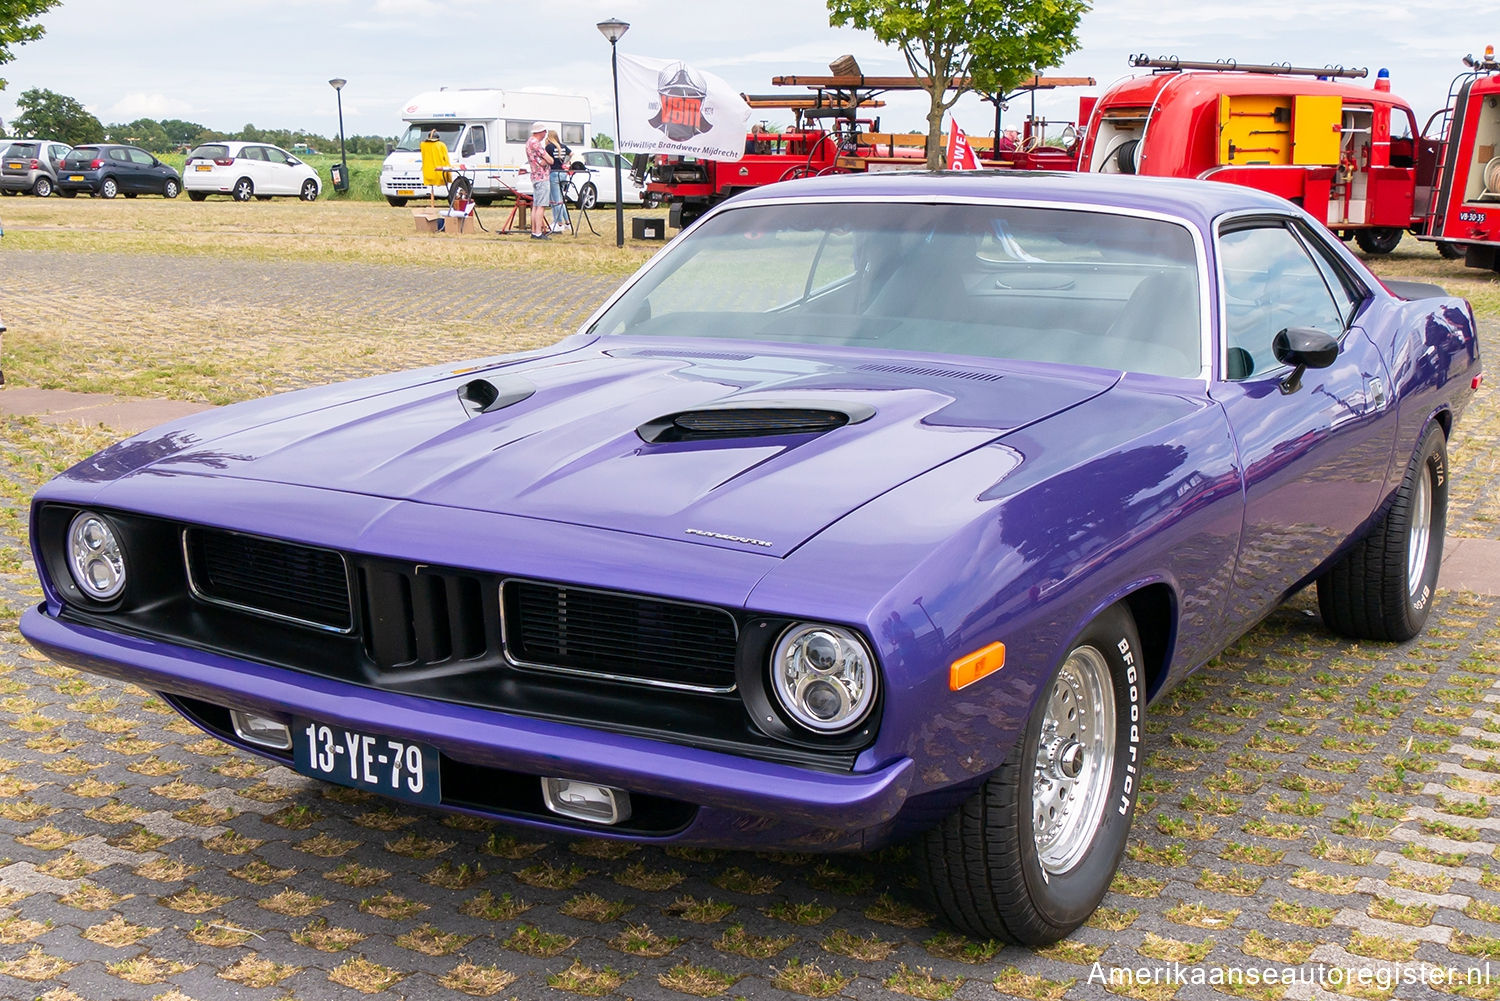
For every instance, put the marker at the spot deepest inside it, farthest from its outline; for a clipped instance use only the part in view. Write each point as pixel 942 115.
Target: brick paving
pixel 1309 801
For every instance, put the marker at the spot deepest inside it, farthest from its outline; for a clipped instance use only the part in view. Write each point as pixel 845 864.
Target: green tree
pixel 955 46
pixel 45 114
pixel 18 24
pixel 603 140
pixel 181 133
pixel 146 133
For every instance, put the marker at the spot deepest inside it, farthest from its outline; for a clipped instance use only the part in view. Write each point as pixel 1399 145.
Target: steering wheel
pixel 1028 144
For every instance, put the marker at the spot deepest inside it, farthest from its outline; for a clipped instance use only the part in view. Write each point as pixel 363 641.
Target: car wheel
pixel 1381 240
pixel 108 188
pixel 1450 251
pixel 43 187
pixel 197 196
pixel 588 196
pixel 1382 589
pixel 395 202
pixel 1029 856
pixel 309 190
pixel 170 189
pixel 244 190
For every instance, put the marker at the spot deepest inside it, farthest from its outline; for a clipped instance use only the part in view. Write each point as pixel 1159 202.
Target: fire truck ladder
pixel 1231 66
pixel 1477 68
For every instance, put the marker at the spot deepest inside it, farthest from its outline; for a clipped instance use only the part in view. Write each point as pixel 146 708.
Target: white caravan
pixel 485 132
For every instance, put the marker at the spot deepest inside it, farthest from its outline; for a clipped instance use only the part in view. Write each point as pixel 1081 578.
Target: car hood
pixel 565 439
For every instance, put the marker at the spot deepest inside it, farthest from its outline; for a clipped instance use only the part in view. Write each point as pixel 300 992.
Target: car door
pixel 1314 451
pixel 147 170
pixel 251 163
pixel 123 171
pixel 279 172
pixel 56 153
pixel 601 173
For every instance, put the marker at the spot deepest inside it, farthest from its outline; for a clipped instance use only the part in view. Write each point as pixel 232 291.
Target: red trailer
pixel 1345 153
pixel 1462 193
pixel 834 135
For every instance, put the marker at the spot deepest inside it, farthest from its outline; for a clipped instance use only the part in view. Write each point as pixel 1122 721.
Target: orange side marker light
pixel 967 670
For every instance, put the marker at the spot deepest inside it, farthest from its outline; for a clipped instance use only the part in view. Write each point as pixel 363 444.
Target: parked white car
pixel 595 181
pixel 245 170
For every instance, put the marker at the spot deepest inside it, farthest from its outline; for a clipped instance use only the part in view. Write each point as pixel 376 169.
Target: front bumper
pixel 739 802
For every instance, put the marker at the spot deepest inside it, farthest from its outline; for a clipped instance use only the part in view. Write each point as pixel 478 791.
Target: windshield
pixel 448 132
pixel 998 281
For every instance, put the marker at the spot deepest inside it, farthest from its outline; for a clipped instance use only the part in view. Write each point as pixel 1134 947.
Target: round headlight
pixel 95 556
pixel 823 677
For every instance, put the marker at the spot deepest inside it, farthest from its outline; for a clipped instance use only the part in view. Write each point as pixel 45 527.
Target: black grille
pixel 620 635
pixel 740 422
pixel 270 577
pixel 430 616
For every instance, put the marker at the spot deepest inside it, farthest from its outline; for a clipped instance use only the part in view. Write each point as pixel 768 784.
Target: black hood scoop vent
pixel 761 419
pixel 484 396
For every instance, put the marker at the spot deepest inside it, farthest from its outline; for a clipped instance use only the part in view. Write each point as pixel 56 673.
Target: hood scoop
pixel 760 419
pixel 484 396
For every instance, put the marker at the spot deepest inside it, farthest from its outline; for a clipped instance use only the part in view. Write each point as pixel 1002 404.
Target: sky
pixel 268 62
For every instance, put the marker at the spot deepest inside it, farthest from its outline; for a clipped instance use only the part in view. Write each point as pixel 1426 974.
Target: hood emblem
pixel 729 538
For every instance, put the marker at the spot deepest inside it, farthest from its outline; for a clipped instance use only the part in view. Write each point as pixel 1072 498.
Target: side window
pixel 476 142
pixel 572 134
pixel 120 155
pixel 276 155
pixel 142 157
pixel 596 159
pixel 58 152
pixel 517 132
pixel 1270 284
pixel 1347 292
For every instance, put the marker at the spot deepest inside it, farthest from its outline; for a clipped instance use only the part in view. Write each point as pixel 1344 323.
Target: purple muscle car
pixel 873 508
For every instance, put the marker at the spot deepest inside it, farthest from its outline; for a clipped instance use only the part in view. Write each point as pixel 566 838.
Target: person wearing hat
pixel 1008 141
pixel 540 162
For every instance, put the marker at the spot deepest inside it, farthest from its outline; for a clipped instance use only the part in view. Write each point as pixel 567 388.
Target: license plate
pixel 408 192
pixel 14 166
pixel 203 166
pixel 399 768
pixel 75 177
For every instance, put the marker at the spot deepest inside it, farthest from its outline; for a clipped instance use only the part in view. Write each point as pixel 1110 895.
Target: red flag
pixel 960 154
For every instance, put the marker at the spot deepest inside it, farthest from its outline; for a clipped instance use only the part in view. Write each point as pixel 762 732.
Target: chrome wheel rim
pixel 1419 535
pixel 1075 759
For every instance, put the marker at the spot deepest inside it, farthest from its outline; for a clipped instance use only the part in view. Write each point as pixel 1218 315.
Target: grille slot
pixel 422 618
pixel 941 373
pixel 269 577
pixel 740 422
pixel 619 636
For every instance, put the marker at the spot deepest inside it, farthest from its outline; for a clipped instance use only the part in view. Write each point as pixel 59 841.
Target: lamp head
pixel 614 29
pixel 337 83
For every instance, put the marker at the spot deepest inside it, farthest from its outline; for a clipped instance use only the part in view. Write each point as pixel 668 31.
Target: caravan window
pixel 517 131
pixel 475 143
pixel 572 133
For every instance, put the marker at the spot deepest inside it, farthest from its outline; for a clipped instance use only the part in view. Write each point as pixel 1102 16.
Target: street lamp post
pixel 337 83
pixel 614 29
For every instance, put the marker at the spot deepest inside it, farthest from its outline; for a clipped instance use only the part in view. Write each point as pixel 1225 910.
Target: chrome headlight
pixel 823 677
pixel 95 556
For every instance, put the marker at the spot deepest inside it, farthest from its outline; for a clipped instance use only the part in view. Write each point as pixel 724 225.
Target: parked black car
pixel 31 165
pixel 107 169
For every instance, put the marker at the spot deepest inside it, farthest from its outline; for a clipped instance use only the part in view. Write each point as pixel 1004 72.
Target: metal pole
pixel 614 66
pixel 343 158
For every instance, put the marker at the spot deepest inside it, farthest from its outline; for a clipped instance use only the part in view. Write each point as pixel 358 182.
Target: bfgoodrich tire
pixel 1012 863
pixel 1382 589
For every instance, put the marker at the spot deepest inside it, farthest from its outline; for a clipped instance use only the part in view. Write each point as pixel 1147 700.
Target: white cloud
pixel 158 106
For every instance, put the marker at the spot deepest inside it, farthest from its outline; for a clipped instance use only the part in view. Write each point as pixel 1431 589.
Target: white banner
pixel 667 106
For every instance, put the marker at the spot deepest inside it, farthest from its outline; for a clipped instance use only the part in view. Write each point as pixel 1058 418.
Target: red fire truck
pixel 1347 154
pixel 1461 193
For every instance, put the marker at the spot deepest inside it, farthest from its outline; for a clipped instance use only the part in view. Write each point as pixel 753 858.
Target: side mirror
pixel 1305 348
pixel 292 161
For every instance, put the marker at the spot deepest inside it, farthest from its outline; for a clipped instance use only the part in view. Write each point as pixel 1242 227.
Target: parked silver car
pixel 31 165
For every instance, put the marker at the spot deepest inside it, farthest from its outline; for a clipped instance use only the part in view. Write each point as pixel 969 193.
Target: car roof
pixel 1198 201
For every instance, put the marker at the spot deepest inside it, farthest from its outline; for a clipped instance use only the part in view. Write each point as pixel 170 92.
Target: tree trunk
pixel 935 127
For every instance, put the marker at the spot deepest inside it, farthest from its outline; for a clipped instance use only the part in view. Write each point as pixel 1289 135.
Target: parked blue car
pixel 109 169
pixel 873 508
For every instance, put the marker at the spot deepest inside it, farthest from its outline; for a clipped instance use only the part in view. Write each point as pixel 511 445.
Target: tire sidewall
pixel 1066 899
pixel 1431 460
